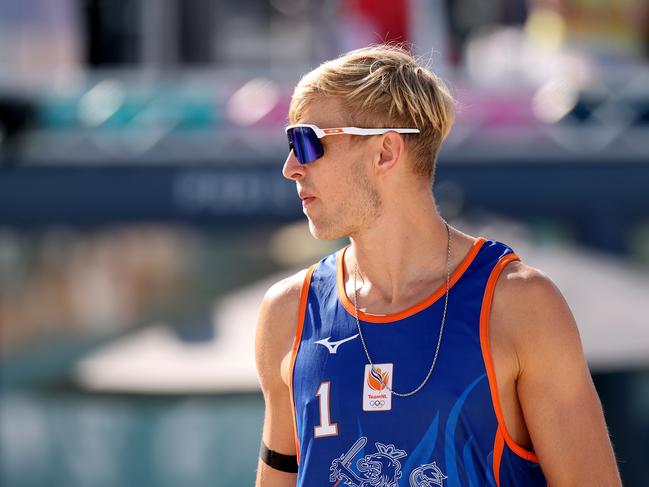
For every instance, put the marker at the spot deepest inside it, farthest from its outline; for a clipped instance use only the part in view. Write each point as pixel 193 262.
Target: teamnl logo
pixel 377 383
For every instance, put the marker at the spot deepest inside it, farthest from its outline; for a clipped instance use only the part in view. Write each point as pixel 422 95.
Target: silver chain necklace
pixel 441 330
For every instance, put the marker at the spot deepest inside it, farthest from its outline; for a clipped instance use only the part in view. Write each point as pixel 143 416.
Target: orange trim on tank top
pixel 486 355
pixel 498 455
pixel 386 318
pixel 304 295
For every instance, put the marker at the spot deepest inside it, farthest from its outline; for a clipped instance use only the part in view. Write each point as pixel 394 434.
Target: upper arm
pixel 562 410
pixel 276 326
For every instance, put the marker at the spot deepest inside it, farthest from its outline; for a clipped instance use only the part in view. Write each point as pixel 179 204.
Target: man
pixel 418 355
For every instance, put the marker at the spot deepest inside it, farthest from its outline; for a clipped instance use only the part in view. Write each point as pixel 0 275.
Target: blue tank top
pixel 351 431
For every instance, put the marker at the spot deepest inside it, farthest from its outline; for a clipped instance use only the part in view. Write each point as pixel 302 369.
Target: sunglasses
pixel 304 139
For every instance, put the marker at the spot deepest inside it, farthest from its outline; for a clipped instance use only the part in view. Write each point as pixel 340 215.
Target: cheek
pixel 339 177
pixel 335 177
pixel 341 189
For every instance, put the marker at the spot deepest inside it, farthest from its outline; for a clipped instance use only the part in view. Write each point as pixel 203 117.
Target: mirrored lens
pixel 305 144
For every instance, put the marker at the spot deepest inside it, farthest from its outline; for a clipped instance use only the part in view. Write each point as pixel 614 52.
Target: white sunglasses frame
pixel 320 133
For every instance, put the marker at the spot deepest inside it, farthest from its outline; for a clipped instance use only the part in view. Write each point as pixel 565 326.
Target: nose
pixel 292 168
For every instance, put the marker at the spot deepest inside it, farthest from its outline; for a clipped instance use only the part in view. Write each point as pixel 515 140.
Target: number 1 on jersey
pixel 325 428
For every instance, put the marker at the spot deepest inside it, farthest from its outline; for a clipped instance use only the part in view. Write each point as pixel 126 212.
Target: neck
pixel 399 253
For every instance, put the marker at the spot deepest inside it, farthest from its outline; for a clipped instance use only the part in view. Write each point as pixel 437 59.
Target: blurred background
pixel 143 213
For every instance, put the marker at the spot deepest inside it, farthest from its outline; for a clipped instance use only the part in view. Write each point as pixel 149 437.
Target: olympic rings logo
pixel 377 403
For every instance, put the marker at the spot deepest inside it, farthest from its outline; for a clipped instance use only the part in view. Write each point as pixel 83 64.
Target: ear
pixel 390 151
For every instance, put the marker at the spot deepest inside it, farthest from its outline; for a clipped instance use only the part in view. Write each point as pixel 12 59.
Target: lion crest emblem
pixel 380 469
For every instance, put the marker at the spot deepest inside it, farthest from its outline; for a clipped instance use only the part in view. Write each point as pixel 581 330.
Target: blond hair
pixel 384 86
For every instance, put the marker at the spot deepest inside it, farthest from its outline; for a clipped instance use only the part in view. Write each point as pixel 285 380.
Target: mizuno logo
pixel 333 346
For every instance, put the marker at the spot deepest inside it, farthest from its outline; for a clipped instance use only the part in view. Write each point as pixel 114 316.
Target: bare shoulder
pixel 530 313
pixel 524 289
pixel 276 325
pixel 282 295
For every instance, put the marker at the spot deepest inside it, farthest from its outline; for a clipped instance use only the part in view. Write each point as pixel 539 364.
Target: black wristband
pixel 278 461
